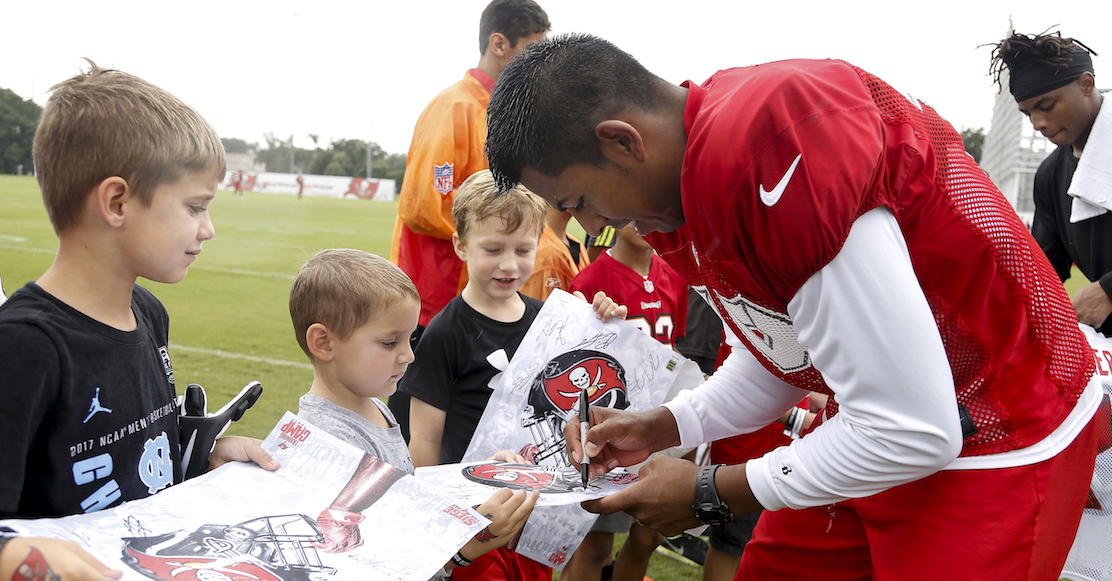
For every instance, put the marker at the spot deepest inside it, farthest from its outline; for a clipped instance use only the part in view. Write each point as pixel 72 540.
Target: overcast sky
pixel 353 69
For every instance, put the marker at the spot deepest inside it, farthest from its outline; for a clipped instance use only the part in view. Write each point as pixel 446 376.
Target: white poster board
pixel 566 350
pixel 242 523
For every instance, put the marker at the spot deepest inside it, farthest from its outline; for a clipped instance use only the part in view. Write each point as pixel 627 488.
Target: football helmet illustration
pixel 276 548
pixel 555 392
pixel 524 477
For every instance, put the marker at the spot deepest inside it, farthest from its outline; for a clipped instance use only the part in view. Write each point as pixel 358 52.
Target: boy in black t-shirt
pixel 471 341
pixel 127 172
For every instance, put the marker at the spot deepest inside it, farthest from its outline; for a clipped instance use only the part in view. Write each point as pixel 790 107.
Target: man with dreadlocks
pixel 1052 81
pixel 852 247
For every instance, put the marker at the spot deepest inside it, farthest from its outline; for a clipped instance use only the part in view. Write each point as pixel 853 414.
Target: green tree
pixel 320 160
pixel 390 166
pixel 344 157
pixel 18 119
pixel 974 140
pixel 236 145
pixel 276 156
pixel 339 166
pixel 355 151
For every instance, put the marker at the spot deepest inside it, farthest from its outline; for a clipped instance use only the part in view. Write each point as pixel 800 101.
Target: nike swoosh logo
pixel 770 198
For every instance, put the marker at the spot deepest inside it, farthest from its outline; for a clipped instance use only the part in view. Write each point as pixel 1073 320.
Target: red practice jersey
pixel 783 158
pixel 657 303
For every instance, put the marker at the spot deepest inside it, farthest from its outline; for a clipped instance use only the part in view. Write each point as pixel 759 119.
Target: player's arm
pixel 428 382
pixel 1091 302
pixel 27 558
pixel 426 432
pixel 441 137
pixel 880 351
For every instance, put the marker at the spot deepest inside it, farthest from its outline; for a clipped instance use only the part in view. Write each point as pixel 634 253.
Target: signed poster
pixel 242 523
pixel 566 351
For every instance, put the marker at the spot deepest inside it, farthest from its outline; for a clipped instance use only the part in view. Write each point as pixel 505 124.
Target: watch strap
pixel 708 506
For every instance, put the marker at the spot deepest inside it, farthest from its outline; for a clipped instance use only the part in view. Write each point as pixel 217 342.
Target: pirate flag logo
pixel 555 392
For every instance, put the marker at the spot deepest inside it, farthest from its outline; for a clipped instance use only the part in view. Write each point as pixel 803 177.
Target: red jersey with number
pixel 782 158
pixel 657 303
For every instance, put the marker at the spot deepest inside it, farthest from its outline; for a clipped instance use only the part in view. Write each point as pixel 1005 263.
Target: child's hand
pixel 509 456
pixel 605 307
pixel 508 511
pixel 35 558
pixel 240 449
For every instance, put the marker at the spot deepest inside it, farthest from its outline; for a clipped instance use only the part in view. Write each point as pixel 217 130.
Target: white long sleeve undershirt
pixel 867 326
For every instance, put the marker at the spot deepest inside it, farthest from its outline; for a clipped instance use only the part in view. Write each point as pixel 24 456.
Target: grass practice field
pixel 229 318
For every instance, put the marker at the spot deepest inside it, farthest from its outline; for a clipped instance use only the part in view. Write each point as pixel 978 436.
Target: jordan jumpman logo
pixel 95 407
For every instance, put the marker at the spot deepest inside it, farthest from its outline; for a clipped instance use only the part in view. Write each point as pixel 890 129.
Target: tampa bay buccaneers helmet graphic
pixel 276 548
pixel 524 476
pixel 555 393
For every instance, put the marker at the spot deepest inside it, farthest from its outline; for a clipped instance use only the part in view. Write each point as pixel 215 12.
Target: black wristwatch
pixel 709 508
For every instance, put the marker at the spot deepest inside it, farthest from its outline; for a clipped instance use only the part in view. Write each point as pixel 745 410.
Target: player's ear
pixel 1087 82
pixel 111 197
pixel 619 139
pixel 458 246
pixel 319 340
pixel 498 44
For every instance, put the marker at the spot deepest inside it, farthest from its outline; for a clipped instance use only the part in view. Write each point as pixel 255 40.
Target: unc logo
pixel 156 468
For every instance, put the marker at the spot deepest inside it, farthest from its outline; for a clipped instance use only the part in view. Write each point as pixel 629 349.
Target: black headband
pixel 1031 78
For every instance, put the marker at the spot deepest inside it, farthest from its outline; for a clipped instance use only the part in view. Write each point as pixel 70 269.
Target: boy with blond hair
pixel 353 313
pixel 472 340
pixel 127 172
pixel 467 345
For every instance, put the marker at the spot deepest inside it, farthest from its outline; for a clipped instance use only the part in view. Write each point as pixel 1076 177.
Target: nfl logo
pixel 443 178
pixel 649 286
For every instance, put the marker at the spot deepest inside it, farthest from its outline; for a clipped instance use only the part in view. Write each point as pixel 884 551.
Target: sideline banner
pixel 314 185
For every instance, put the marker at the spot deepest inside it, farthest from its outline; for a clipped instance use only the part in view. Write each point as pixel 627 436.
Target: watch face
pixel 719 515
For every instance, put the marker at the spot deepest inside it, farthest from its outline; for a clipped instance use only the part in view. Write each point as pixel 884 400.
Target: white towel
pixel 1091 186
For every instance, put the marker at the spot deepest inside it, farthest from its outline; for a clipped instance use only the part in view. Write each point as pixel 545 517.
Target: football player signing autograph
pixel 853 248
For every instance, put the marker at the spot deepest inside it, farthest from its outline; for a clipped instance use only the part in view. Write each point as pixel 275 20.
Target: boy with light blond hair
pixel 468 344
pixel 353 314
pixel 127 172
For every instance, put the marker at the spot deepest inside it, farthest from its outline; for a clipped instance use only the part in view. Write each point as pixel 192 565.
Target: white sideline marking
pixel 230 355
pixel 240 271
pixel 260 242
pixel 26 249
pixel 195 266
